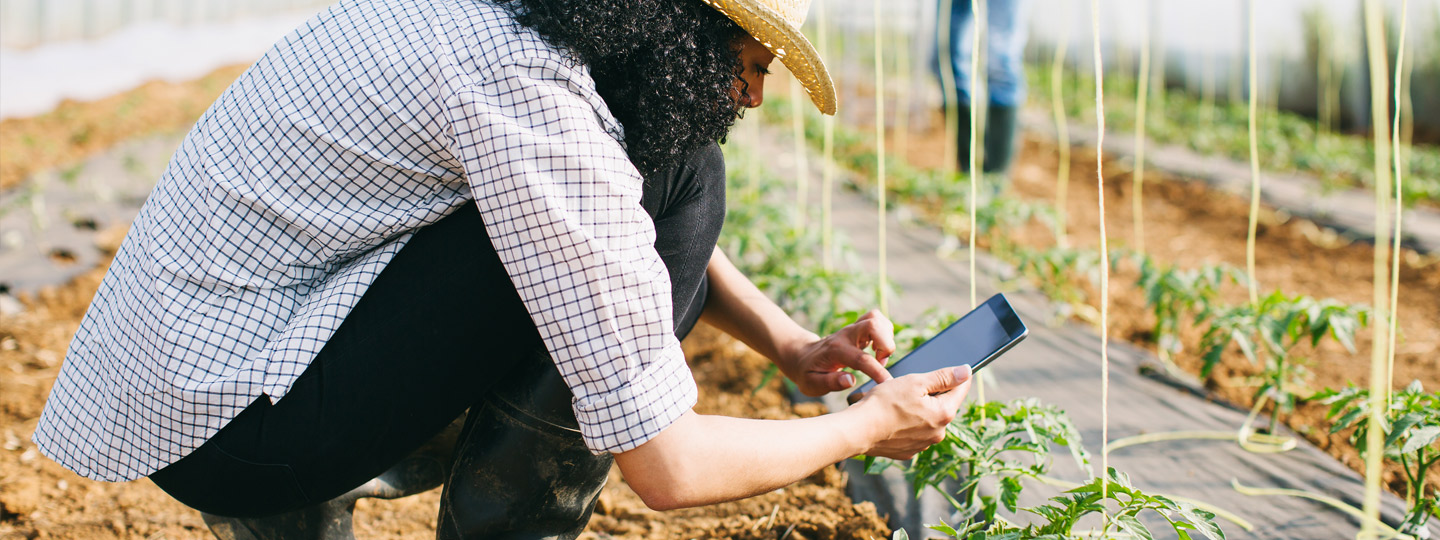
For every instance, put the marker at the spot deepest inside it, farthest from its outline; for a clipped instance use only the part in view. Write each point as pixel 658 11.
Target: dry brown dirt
pixel 40 499
pixel 75 130
pixel 1190 225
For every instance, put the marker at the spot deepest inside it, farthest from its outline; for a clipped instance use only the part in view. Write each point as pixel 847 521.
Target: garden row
pixel 1288 142
pixel 999 443
pixel 1275 333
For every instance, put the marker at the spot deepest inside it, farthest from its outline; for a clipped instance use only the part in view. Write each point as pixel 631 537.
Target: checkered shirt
pixel 373 119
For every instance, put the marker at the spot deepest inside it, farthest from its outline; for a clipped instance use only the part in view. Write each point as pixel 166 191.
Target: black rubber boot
pixel 1000 131
pixel 421 471
pixel 962 139
pixel 521 469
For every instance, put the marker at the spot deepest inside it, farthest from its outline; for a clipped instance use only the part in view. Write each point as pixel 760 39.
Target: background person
pixel 1005 36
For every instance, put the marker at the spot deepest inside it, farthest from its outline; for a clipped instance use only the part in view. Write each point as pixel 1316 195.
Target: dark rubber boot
pixel 421 471
pixel 521 469
pixel 1000 131
pixel 962 140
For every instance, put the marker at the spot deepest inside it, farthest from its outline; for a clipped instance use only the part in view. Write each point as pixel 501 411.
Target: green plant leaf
pixel 1130 524
pixel 1401 425
pixel 1010 492
pixel 1420 438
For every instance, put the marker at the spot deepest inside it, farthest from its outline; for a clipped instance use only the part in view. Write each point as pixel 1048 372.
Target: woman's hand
pixel 678 467
pixel 815 366
pixel 910 413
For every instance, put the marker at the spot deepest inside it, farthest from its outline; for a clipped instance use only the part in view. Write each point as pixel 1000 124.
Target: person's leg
pixel 376 393
pixel 962 16
pixel 521 468
pixel 407 361
pixel 1005 75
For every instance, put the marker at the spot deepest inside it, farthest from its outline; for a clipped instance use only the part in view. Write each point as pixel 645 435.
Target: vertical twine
pixel 827 165
pixel 1104 254
pixel 752 166
pixel 1254 171
pixel 1137 206
pixel 1207 90
pixel 1322 74
pixel 880 150
pixel 798 103
pixel 1062 130
pixel 1379 377
pixel 902 109
pixel 1399 204
pixel 978 14
pixel 948 85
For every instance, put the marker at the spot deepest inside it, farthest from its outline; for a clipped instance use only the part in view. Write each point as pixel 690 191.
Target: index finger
pixel 870 366
pixel 880 333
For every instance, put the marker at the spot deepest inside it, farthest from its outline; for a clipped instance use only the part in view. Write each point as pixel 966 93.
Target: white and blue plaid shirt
pixel 372 120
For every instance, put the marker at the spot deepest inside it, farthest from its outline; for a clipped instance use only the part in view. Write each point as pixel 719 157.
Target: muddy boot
pixel 421 471
pixel 1000 130
pixel 521 469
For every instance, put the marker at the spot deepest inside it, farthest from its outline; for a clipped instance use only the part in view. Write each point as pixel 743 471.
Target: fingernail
pixel 962 373
pixel 847 379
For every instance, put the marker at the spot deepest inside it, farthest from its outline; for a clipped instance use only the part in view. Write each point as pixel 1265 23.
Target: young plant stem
pixel 1254 169
pixel 1142 88
pixel 880 151
pixel 1379 376
pixel 1062 130
pixel 1280 363
pixel 1104 248
pixel 1413 490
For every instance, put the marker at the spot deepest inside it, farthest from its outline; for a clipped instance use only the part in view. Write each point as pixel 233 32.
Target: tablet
pixel 976 339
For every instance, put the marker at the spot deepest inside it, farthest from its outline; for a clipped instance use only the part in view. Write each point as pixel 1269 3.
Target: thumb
pixel 819 384
pixel 946 379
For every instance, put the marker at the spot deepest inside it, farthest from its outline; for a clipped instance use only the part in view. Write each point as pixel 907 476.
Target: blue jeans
pixel 1005 44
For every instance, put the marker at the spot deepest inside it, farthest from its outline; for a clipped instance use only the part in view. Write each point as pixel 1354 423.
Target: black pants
pixel 439 328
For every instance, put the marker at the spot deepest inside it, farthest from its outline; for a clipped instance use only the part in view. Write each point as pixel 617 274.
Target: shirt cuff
pixel 632 414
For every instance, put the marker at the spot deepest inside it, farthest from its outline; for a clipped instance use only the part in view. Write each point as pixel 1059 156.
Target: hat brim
pixel 788 44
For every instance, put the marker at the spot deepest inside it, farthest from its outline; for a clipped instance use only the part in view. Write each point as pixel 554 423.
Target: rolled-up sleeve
pixel 561 204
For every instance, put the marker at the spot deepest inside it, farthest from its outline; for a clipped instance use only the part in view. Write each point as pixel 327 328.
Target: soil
pixel 40 499
pixel 1190 225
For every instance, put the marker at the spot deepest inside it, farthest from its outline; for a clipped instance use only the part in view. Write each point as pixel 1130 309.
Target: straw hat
pixel 776 24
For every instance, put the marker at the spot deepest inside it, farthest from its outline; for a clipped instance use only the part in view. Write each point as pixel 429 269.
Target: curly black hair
pixel 666 68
